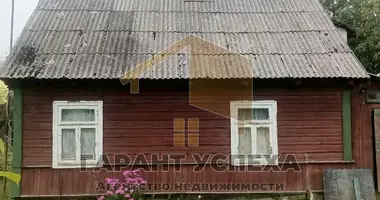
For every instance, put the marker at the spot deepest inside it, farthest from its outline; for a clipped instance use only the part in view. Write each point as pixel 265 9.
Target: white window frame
pixel 58 106
pixel 271 105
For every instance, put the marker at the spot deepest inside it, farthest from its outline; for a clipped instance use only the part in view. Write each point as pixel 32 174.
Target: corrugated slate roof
pixel 104 39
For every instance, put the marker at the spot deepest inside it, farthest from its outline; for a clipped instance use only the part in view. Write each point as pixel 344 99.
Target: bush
pixel 129 188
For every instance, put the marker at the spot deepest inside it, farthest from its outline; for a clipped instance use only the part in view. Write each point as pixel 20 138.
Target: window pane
pixel 87 140
pixel 253 114
pixel 78 115
pixel 263 143
pixel 68 144
pixel 245 141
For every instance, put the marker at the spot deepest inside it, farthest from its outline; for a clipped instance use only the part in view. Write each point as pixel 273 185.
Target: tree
pixel 3 89
pixel 364 17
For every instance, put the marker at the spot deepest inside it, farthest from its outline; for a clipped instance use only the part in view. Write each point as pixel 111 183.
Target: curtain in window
pixel 253 114
pixel 263 144
pixel 68 144
pixel 87 141
pixel 245 141
pixel 78 115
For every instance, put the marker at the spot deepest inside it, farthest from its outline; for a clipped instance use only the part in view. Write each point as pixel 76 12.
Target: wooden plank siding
pixel 47 181
pixel 309 126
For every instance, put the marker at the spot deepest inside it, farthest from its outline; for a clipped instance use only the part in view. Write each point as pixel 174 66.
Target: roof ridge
pixel 204 32
pixel 204 54
pixel 156 11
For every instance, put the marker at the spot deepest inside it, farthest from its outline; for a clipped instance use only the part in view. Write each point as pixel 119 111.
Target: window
pixel 253 132
pixel 77 134
pixel 373 96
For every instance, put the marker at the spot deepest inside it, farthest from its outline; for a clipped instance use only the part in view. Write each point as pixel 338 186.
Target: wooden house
pixel 216 96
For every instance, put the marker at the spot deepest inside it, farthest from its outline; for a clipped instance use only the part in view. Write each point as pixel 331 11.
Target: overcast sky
pixel 23 9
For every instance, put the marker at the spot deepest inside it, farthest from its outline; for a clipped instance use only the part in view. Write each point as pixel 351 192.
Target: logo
pixel 180 132
pixel 209 69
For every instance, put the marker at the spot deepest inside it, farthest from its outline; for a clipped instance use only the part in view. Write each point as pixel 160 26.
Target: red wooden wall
pixel 309 126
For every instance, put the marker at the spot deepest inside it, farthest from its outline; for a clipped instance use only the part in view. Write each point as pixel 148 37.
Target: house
pixel 216 96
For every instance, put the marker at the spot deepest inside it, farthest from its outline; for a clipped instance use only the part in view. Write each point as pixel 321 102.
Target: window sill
pixel 75 166
pixel 202 163
pixel 322 162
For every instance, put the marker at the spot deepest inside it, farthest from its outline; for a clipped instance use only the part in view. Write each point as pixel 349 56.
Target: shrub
pixel 127 188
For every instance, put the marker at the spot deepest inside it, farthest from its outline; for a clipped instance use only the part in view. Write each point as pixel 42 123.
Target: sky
pixel 23 10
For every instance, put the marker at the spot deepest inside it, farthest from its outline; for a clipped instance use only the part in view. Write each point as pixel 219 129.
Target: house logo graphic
pixel 209 69
pixel 180 132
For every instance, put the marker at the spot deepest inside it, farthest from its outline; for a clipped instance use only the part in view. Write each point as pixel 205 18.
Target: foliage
pixel 10 175
pixel 6 177
pixel 5 194
pixel 127 188
pixel 364 17
pixel 3 92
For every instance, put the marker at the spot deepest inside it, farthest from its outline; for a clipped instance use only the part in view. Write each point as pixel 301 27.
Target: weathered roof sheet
pixel 104 39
